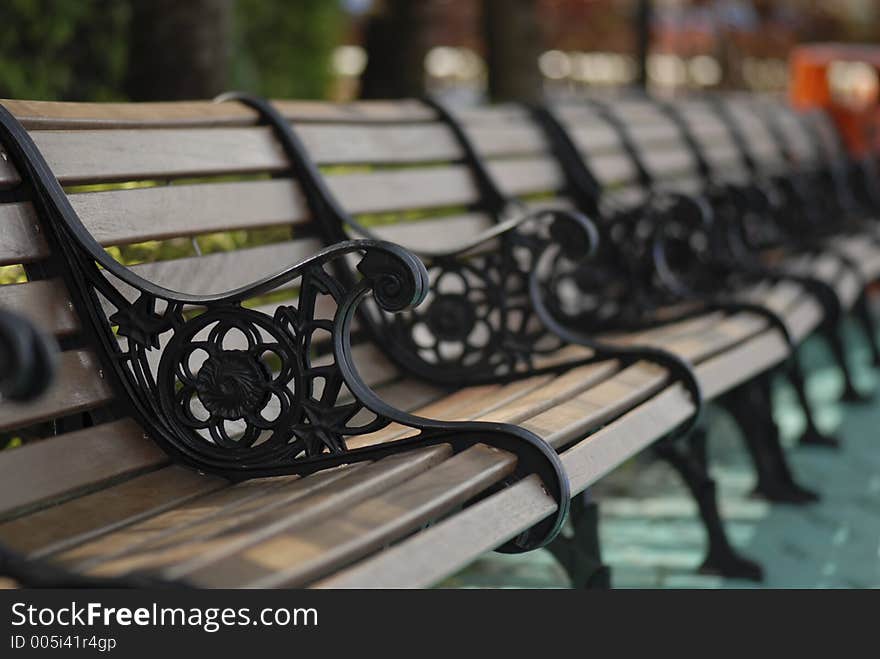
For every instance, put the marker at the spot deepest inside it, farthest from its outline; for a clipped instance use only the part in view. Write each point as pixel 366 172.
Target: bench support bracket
pixel 580 554
pixel 750 406
pixel 689 461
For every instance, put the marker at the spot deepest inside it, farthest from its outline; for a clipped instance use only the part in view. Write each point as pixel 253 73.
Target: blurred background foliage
pixel 283 49
pixel 53 49
pixel 82 49
pixel 468 50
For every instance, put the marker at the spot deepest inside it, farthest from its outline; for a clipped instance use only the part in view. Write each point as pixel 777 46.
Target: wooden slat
pixel 127 216
pixel 510 403
pixel 206 516
pixel 528 175
pixel 522 139
pixel 295 556
pixel 495 115
pixel 669 162
pixel 611 169
pixel 594 138
pixel 224 271
pixel 87 156
pixel 53 115
pixel 120 155
pixel 76 388
pixel 479 528
pixel 212 542
pixel 77 520
pixel 44 302
pixel 34 475
pixel 21 240
pixel 436 234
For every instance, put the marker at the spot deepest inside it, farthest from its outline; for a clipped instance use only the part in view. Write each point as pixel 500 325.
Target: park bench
pixel 842 250
pixel 598 141
pixel 698 143
pixel 528 148
pixel 91 492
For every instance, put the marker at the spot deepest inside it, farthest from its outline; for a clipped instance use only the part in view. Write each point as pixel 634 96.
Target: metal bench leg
pixel 689 460
pixel 851 393
pixel 580 555
pixel 811 436
pixel 750 406
pixel 863 313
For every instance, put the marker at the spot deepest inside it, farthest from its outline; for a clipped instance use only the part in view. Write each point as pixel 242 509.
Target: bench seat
pixel 173 523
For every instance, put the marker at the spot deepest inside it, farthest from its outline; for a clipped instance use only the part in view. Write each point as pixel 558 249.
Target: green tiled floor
pixel 651 536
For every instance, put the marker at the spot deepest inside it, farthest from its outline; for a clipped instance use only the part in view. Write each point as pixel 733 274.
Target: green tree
pixel 57 49
pixel 283 49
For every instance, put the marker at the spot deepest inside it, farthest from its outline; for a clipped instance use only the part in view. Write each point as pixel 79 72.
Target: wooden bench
pixel 736 145
pixel 90 491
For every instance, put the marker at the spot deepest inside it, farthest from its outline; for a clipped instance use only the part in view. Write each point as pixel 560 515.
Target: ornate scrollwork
pixel 206 384
pixel 479 319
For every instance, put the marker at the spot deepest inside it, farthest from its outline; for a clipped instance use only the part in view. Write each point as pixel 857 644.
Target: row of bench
pixel 594 270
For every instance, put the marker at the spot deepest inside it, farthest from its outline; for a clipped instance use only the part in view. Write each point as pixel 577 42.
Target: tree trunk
pixel 513 45
pixel 179 50
pixel 643 41
pixel 396 43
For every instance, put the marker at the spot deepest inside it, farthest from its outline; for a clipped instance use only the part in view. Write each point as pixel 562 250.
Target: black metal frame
pixel 855 187
pixel 519 262
pixel 680 216
pixel 800 203
pixel 319 405
pixel 733 205
pixel 623 229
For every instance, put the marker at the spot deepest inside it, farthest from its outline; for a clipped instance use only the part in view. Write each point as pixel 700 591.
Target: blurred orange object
pixel 842 79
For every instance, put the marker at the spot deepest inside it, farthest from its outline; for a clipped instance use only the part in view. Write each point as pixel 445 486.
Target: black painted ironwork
pixel 27 358
pixel 580 555
pixel 807 202
pixel 715 221
pixel 491 309
pixel 739 212
pixel 230 390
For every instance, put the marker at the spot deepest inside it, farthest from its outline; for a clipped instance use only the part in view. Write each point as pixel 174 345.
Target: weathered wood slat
pixel 44 302
pixel 225 271
pixel 479 528
pixel 79 519
pixel 206 516
pixel 295 556
pixel 35 474
pixel 42 115
pixel 21 240
pixel 211 544
pixel 77 388
pixel 91 156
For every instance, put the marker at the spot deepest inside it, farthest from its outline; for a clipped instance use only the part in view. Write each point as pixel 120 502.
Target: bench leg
pixel 811 436
pixel 580 555
pixel 750 406
pixel 688 458
pixel 863 313
pixel 851 393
